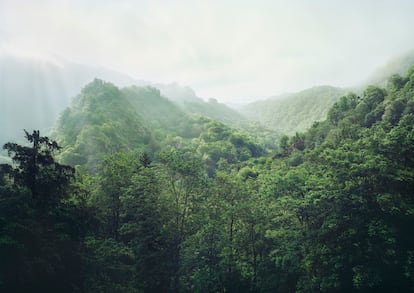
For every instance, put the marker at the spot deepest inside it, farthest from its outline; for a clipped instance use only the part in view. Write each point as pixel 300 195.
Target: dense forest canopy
pixel 133 194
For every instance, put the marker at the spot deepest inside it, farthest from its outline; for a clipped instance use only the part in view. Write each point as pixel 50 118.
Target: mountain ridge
pixel 35 92
pixel 294 112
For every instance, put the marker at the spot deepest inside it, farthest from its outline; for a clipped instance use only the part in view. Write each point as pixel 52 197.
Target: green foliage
pixel 206 210
pixel 37 170
pixel 108 266
pixel 159 113
pixel 219 143
pixel 294 112
pixel 349 210
pixel 214 110
pixel 185 98
pixel 39 228
pixel 101 120
pixel 342 107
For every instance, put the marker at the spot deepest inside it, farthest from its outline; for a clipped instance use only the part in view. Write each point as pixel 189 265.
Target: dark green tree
pixel 40 229
pixel 37 170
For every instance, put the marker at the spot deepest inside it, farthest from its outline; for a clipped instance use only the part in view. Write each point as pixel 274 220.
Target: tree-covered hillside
pixel 159 113
pixel 104 119
pixel 291 113
pixel 100 121
pixel 34 92
pixel 346 189
pixel 188 101
pixel 331 210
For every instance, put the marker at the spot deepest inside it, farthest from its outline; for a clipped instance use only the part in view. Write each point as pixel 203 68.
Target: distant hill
pixel 161 114
pixel 34 92
pixel 104 119
pixel 295 112
pixel 187 99
pixel 100 121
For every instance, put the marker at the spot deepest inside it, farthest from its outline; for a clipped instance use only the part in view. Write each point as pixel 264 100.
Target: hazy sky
pixel 223 49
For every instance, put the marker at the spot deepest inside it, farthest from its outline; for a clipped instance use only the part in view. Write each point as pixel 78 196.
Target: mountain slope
pixel 294 112
pixel 34 92
pixel 164 116
pixel 350 195
pixel 187 99
pixel 100 121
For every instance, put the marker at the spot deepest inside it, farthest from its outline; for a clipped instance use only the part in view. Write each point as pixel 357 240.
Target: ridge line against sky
pixel 229 50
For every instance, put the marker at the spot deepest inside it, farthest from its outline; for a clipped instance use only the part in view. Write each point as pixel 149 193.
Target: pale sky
pixel 230 50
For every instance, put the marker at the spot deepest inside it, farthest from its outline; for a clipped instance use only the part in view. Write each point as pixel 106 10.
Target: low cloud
pixel 224 49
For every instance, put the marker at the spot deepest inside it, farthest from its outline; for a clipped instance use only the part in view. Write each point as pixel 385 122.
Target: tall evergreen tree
pixel 40 231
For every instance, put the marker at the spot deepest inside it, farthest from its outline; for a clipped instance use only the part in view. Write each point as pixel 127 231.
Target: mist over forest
pixel 164 146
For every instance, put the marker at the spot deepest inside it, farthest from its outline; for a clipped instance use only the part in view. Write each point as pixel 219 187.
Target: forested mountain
pixel 157 111
pixel 34 92
pixel 295 112
pixel 188 101
pixel 148 210
pixel 100 121
pixel 104 119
